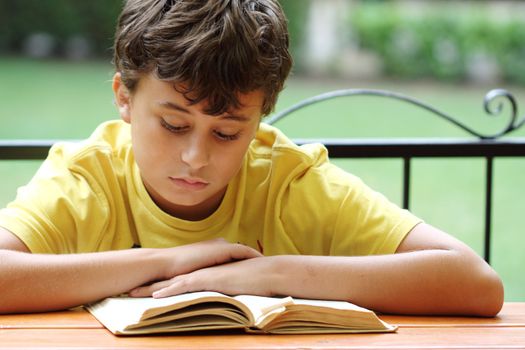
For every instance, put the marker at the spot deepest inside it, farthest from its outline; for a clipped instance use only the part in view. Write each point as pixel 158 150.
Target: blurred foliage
pixel 61 20
pixel 93 20
pixel 296 12
pixel 440 43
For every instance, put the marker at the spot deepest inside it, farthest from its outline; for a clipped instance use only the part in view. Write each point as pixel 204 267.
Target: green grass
pixel 58 100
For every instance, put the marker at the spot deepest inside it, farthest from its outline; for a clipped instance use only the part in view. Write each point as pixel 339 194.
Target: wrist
pixel 278 274
pixel 158 261
pixel 298 276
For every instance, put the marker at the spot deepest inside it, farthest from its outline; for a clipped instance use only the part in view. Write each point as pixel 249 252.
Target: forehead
pixel 164 92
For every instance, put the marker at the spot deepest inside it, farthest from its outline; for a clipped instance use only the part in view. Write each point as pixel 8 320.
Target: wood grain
pixel 77 329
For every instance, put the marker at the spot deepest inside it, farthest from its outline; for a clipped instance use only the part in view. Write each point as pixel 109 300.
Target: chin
pixel 186 202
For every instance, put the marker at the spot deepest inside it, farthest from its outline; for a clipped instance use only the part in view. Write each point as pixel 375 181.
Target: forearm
pixel 420 282
pixel 38 282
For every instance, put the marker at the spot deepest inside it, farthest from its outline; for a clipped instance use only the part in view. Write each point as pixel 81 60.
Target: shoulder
pixel 274 151
pixel 273 147
pixel 77 180
pixel 95 165
pixel 107 146
pixel 295 175
pixel 109 137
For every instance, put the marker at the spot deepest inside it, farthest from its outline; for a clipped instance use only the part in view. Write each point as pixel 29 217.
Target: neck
pixel 196 212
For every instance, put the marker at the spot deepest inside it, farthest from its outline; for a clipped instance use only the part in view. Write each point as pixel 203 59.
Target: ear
pixel 122 98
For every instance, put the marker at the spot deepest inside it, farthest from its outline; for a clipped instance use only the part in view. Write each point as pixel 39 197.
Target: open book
pixel 211 310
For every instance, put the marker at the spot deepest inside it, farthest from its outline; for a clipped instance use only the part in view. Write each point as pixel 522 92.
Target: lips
pixel 189 183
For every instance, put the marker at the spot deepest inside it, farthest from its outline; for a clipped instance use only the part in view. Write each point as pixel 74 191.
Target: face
pixel 186 157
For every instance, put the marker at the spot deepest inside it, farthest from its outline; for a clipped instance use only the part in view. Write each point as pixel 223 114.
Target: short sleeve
pixel 328 211
pixel 368 223
pixel 59 211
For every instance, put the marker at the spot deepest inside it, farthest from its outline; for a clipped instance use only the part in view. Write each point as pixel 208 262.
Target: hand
pixel 250 276
pixel 191 257
pixel 188 258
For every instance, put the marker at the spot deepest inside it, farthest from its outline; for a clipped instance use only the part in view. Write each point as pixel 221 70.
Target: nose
pixel 195 153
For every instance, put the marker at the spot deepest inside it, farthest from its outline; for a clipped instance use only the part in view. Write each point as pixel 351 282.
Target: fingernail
pixel 161 293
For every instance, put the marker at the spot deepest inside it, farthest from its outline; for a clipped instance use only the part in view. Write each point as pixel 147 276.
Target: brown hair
pixel 216 48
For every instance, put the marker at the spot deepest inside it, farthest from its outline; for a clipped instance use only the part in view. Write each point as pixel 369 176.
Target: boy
pixel 212 200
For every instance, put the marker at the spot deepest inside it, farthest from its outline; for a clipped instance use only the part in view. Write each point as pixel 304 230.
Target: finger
pixel 146 291
pixel 240 252
pixel 167 292
pixel 179 285
pixel 236 251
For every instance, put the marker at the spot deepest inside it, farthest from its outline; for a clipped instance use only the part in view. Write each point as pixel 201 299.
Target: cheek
pixel 148 146
pixel 229 161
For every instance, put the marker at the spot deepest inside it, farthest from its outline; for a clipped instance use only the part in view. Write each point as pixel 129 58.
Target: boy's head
pixel 212 49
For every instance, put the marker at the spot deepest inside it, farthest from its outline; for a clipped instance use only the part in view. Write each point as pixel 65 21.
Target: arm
pixel 40 282
pixel 431 273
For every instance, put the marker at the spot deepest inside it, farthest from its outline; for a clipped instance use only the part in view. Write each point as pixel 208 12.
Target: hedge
pixel 59 20
pixel 439 44
pixel 62 21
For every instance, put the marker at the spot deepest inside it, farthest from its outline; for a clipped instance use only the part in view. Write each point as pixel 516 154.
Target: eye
pixel 226 137
pixel 172 128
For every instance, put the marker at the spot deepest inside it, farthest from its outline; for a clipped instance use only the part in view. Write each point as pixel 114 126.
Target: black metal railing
pixel 487 146
pixel 24 149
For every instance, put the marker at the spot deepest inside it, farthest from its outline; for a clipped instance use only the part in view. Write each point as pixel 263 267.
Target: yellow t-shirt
pixel 88 196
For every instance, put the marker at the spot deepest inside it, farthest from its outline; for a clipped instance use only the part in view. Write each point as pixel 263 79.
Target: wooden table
pixel 77 329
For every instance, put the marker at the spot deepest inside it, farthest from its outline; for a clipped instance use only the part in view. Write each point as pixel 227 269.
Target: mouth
pixel 188 183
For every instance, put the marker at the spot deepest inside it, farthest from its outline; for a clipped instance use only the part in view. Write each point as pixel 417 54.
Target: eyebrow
pixel 179 108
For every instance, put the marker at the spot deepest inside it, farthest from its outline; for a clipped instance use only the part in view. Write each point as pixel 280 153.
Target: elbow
pixel 491 296
pixel 487 293
pixel 473 289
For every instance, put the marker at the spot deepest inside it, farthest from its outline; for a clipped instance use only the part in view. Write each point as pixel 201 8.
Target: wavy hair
pixel 211 49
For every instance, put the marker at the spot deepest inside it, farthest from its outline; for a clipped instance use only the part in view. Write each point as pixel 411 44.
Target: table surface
pixel 77 329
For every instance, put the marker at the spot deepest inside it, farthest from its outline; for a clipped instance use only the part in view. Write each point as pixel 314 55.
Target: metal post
pixel 488 207
pixel 406 182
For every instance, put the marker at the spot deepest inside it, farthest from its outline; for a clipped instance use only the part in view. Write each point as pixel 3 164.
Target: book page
pixel 211 310
pixel 176 302
pixel 214 314
pixel 121 313
pixel 322 316
pixel 263 307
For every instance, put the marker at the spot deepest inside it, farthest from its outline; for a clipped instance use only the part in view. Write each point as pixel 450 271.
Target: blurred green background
pixel 55 83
